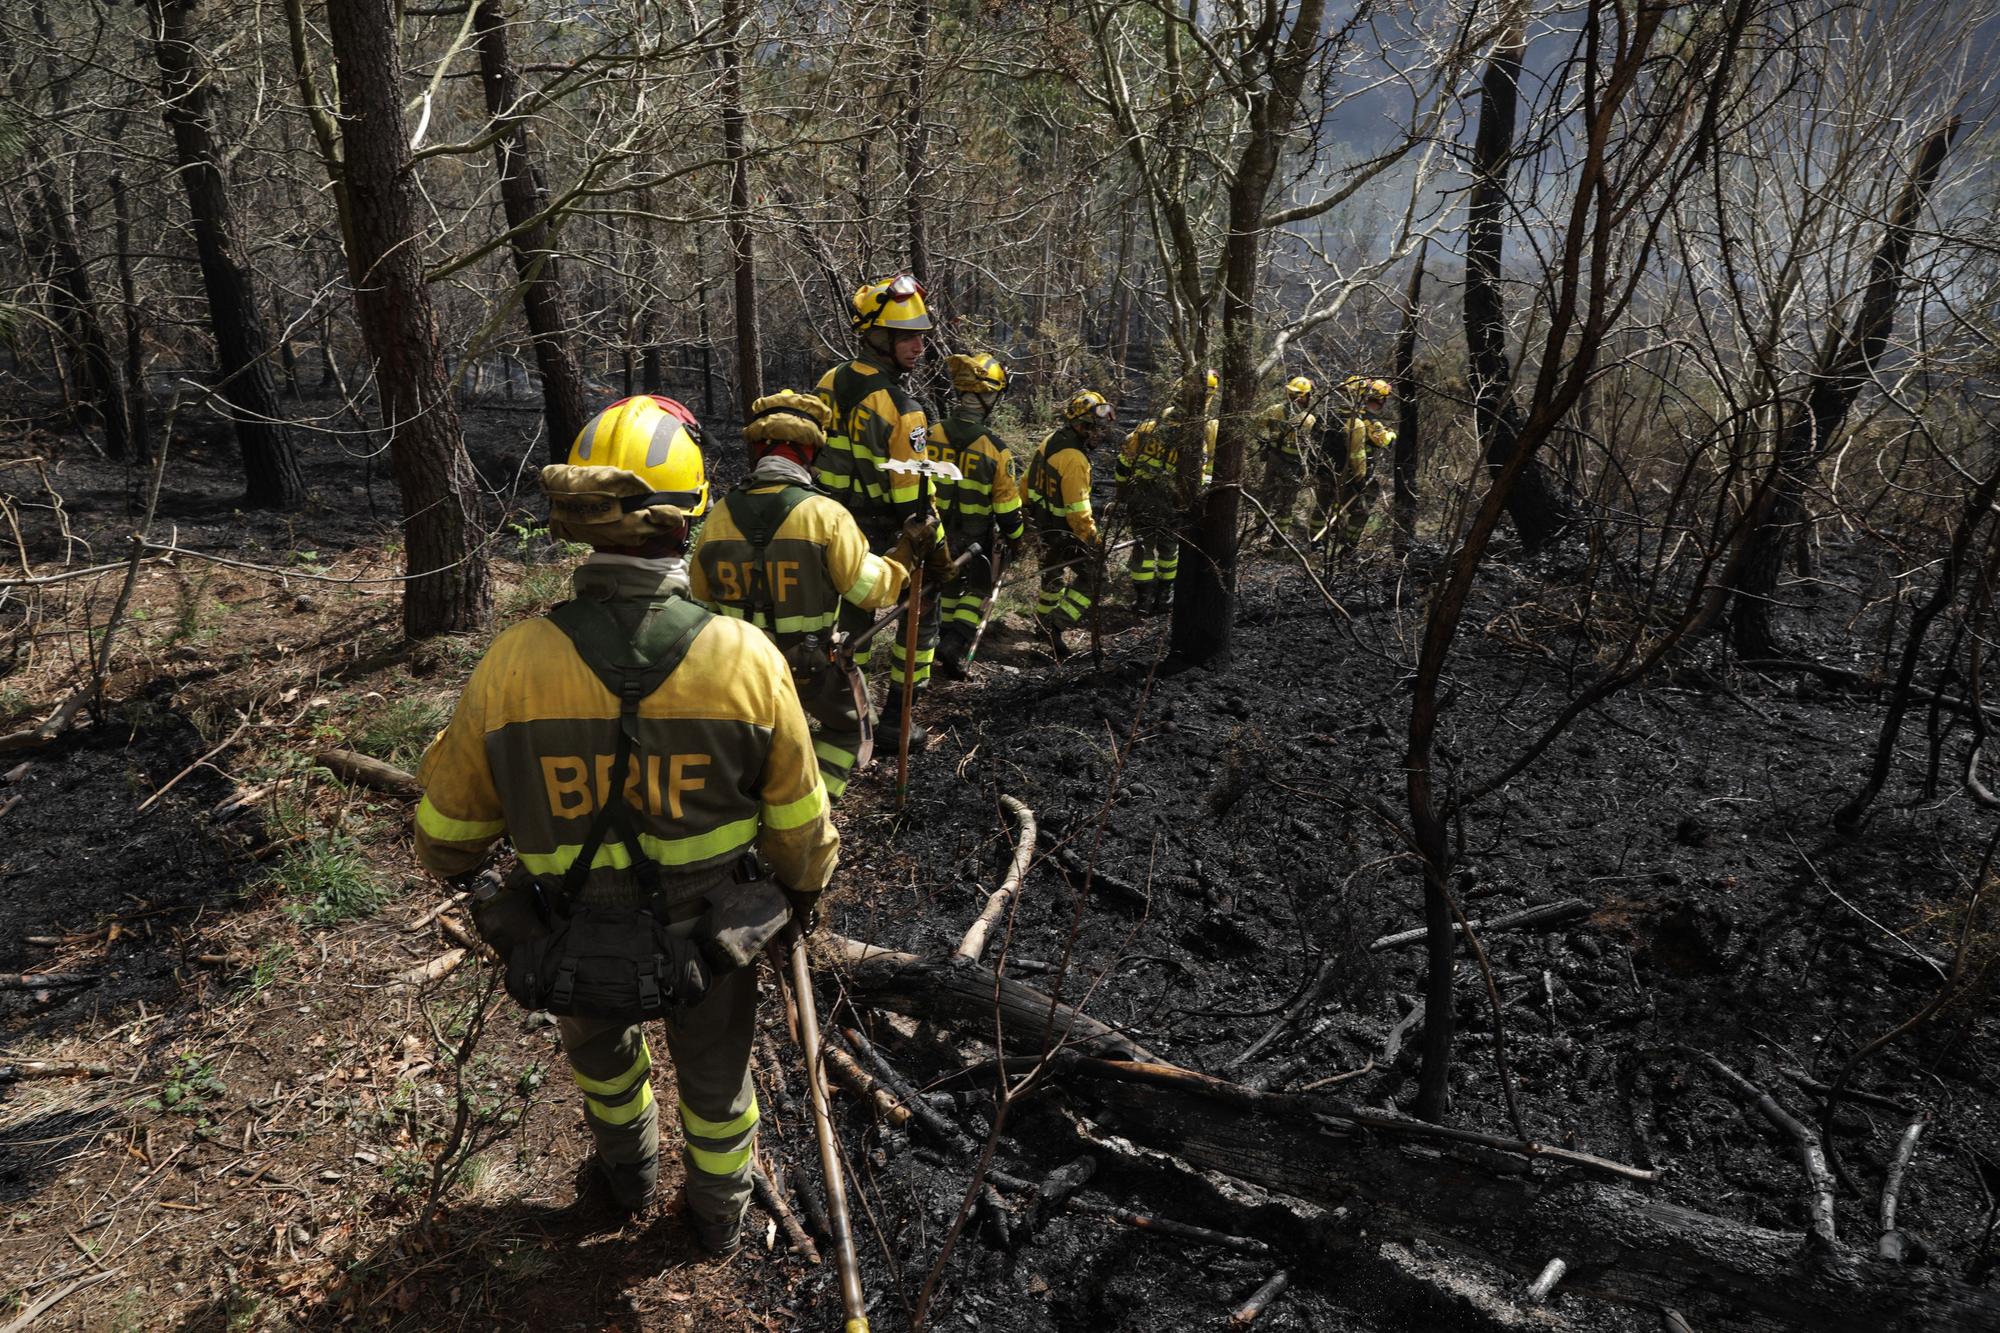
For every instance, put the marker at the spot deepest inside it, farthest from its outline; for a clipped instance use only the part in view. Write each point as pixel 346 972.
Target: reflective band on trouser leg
pixel 1142 569
pixel 962 610
pixel 1170 565
pixel 835 763
pixel 710 1044
pixel 1075 603
pixel 611 1064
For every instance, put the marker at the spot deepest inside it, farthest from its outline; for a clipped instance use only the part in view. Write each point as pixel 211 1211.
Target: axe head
pixel 922 467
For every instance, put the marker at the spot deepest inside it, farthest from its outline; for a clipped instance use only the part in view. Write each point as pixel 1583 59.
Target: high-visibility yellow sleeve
pixel 798 838
pixel 1006 495
pixel 1073 466
pixel 864 579
pixel 460 816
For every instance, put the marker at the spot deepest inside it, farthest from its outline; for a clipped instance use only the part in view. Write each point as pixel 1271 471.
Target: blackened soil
pixel 1253 817
pixel 114 888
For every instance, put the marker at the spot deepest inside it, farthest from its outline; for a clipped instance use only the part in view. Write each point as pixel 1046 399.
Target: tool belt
pixel 600 954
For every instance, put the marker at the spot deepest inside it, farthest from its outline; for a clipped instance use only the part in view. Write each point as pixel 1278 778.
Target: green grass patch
pixel 327 881
pixel 402 731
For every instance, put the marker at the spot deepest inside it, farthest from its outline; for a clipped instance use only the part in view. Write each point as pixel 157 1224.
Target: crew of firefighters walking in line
pixel 661 753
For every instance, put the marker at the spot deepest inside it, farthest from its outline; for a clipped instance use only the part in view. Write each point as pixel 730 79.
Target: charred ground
pixel 263 1143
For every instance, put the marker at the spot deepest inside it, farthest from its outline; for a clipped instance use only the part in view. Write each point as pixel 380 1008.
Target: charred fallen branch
pixel 1547 914
pixel 951 989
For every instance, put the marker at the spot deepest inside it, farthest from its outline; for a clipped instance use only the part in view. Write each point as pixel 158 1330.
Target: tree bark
pixel 242 348
pixel 1205 592
pixel 1405 472
pixel 1809 433
pixel 100 397
pixel 735 140
pixel 523 196
pixel 1536 504
pixel 449 587
pixel 917 142
pixel 135 327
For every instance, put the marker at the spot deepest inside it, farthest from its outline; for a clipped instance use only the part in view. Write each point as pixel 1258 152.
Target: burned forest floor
pixel 251 1077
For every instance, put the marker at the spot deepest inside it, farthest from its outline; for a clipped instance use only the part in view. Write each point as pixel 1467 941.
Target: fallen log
pixel 368 772
pixel 949 988
pixel 41 980
pixel 1620 1245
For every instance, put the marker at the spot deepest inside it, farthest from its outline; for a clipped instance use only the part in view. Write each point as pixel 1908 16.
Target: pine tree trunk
pixel 449 588
pixel 1405 507
pixel 1810 432
pixel 735 139
pixel 523 196
pixel 917 141
pixel 99 395
pixel 1539 509
pixel 135 330
pixel 242 349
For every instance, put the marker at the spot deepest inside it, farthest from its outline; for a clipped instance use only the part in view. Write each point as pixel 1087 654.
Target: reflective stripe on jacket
pixel 986 494
pixel 722 760
pixel 1148 457
pixel 1059 484
pixel 816 559
pixel 875 419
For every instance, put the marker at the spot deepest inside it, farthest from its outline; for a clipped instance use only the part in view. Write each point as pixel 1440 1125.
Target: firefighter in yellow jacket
pixel 983 506
pixel 1284 431
pixel 1058 505
pixel 1345 484
pixel 1147 473
pixel 788 559
pixel 718 794
pixel 876 419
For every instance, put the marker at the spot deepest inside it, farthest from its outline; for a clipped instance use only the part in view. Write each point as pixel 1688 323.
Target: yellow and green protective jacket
pixel 1363 434
pixel 1059 484
pixel 1284 430
pixel 815 559
pixel 875 419
pixel 1147 458
pixel 722 761
pixel 986 495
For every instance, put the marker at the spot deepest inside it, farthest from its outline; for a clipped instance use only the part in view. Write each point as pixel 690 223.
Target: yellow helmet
pixel 976 372
pixel 1365 390
pixel 1087 406
pixel 1214 380
pixel 890 303
pixel 1299 387
pixel 633 471
pixel 788 418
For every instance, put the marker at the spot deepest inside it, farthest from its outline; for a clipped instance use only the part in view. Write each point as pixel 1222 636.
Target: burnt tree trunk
pixel 1205 591
pixel 1810 431
pixel 735 142
pixel 917 141
pixel 135 326
pixel 449 587
pixel 1536 504
pixel 100 397
pixel 523 196
pixel 271 477
pixel 1405 470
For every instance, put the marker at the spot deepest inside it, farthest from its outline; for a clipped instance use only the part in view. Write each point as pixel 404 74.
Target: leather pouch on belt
pixel 741 921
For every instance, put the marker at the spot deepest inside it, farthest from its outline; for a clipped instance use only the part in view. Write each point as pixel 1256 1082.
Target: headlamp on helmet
pixel 894 303
pixel 1087 408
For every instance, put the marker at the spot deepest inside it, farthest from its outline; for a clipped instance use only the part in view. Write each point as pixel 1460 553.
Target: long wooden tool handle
pixel 911 622
pixel 829 1152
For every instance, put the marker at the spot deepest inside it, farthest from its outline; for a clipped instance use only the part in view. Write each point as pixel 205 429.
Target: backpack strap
pixel 758 517
pixel 631 666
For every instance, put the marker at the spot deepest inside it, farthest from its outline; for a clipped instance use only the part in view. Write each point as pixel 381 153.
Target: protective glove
pixel 804 921
pixel 937 562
